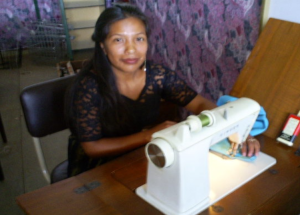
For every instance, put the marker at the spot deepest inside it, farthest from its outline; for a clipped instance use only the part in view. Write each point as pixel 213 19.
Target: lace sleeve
pixel 176 90
pixel 86 110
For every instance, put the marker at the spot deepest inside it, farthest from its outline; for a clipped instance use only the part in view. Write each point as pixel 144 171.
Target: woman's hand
pixel 113 146
pixel 158 127
pixel 250 147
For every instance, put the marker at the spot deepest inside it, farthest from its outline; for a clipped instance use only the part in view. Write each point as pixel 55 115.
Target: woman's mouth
pixel 130 60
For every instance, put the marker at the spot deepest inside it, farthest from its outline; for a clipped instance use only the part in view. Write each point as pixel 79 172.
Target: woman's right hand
pixel 114 146
pixel 158 127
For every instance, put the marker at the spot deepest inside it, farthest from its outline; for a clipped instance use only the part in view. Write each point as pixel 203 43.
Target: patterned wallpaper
pixel 206 41
pixel 16 16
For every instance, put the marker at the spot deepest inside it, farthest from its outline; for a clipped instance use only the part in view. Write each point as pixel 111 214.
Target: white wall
pixel 288 10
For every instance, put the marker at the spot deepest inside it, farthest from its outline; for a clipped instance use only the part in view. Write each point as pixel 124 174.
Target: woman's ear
pixel 102 47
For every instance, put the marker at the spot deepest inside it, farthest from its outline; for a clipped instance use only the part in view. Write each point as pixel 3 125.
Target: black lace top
pixel 161 83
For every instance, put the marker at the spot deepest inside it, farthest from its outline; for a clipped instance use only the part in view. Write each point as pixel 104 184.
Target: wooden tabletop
pixel 109 189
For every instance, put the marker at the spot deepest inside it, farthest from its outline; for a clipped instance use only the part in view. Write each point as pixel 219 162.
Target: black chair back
pixel 43 106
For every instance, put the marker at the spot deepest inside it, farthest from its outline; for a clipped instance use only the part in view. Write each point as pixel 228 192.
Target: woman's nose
pixel 130 47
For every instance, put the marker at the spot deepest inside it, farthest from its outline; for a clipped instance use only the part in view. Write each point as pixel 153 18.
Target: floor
pixel 17 156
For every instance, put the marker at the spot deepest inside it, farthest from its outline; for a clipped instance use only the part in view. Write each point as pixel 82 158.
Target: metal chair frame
pixel 43 108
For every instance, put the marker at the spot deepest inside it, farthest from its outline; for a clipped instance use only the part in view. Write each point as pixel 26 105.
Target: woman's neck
pixel 131 84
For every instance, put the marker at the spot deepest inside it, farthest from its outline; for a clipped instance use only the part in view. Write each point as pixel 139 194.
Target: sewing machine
pixel 183 177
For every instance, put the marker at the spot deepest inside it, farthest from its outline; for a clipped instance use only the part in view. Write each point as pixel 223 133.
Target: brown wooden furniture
pixel 63 70
pixel 271 76
pixel 276 191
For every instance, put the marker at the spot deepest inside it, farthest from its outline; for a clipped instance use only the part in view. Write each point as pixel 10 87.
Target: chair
pixel 2 131
pixel 43 107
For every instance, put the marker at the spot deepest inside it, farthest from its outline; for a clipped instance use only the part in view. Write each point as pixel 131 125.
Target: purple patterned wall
pixel 15 16
pixel 206 41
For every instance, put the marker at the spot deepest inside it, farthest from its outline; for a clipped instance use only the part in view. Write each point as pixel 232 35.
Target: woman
pixel 118 93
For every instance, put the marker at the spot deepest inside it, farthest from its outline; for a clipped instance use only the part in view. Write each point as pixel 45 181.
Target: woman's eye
pixel 118 40
pixel 140 39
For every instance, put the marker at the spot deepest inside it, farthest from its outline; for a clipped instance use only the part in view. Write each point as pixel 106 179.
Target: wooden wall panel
pixel 271 75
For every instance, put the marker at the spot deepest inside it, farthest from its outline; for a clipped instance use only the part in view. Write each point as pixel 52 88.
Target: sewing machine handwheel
pixel 160 153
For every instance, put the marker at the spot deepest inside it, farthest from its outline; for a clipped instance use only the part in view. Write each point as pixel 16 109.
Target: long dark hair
pixel 99 63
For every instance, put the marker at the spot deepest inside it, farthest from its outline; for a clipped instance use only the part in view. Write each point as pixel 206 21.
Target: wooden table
pixel 276 191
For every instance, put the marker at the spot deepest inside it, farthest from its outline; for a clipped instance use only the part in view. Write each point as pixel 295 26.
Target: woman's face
pixel 126 45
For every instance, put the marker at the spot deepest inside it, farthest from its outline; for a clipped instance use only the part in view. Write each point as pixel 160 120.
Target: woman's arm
pixel 87 122
pixel 199 104
pixel 119 145
pixel 249 148
pixel 106 147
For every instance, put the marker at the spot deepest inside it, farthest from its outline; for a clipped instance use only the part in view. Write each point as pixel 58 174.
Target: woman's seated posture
pixel 118 93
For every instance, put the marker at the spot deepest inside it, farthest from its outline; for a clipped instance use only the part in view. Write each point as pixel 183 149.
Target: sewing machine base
pixel 223 181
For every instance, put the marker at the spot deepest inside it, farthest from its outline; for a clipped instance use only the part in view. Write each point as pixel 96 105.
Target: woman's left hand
pixel 250 147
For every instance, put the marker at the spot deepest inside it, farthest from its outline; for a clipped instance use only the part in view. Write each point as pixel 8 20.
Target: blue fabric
pixel 222 148
pixel 259 127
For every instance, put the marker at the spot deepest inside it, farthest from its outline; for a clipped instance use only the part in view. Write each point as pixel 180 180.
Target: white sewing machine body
pixel 181 181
